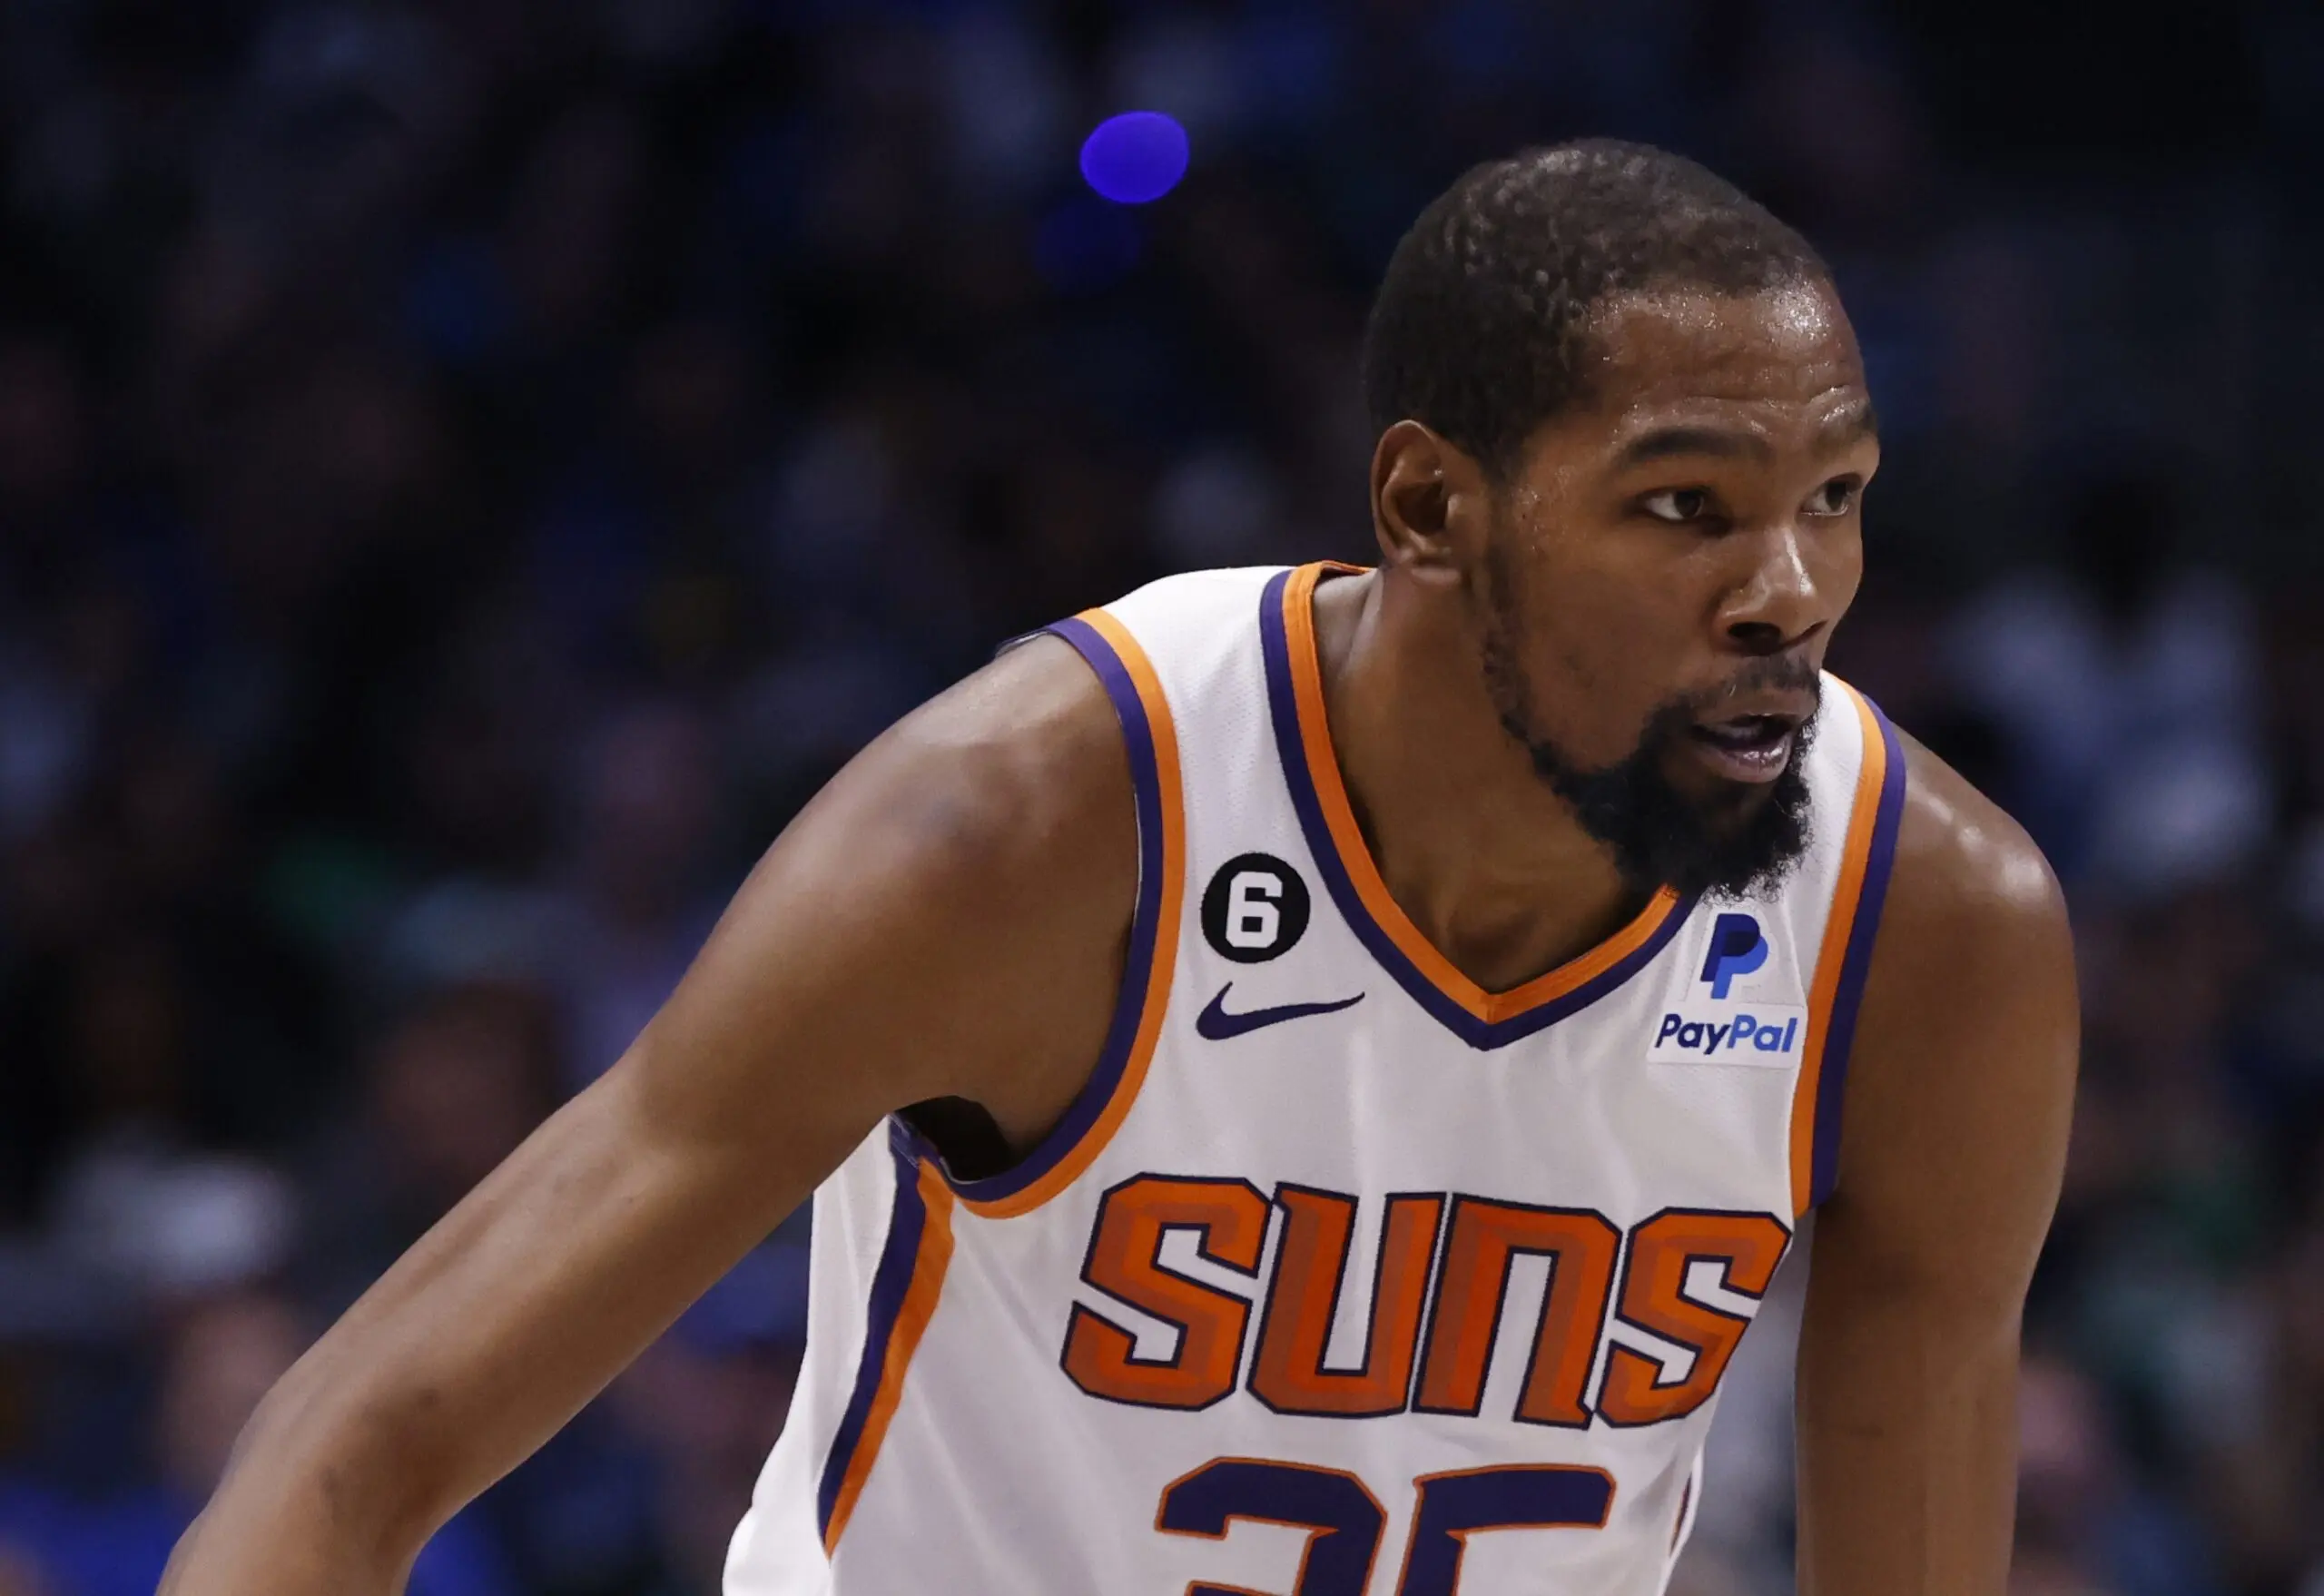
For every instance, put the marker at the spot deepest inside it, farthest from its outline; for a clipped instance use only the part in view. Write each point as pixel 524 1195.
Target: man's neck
pixel 1487 864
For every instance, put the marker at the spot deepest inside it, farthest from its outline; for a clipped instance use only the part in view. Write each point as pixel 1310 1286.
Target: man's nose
pixel 1780 604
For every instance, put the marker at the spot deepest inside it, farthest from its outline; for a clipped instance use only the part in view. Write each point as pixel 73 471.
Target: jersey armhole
pixel 1845 957
pixel 1098 1110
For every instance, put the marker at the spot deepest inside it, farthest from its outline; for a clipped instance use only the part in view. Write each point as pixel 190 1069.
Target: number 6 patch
pixel 1255 908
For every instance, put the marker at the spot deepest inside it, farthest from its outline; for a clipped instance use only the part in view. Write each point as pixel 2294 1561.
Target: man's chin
pixel 1703 833
pixel 1671 820
pixel 1748 856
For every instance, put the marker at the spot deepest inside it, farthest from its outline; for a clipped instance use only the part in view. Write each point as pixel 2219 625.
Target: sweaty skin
pixel 949 919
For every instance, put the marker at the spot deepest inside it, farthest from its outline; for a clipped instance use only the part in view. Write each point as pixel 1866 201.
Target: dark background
pixel 468 470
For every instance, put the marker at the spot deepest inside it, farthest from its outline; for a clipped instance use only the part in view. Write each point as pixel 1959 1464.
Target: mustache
pixel 1767 673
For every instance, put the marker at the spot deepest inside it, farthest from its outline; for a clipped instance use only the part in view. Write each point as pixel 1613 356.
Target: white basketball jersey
pixel 1343 1276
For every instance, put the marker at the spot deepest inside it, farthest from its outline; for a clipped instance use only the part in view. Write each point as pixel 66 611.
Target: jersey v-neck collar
pixel 1310 770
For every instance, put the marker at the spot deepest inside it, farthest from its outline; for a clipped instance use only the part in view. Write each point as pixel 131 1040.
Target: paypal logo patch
pixel 1743 1019
pixel 1737 947
pixel 1768 1036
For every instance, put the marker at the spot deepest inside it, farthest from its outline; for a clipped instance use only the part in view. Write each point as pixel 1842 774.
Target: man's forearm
pixel 471 1350
pixel 290 1519
pixel 1908 1454
pixel 278 1553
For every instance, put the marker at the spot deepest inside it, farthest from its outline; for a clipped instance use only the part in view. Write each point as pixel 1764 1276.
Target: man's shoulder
pixel 1024 754
pixel 1968 882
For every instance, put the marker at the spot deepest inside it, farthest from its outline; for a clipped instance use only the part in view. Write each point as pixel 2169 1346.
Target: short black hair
pixel 1480 326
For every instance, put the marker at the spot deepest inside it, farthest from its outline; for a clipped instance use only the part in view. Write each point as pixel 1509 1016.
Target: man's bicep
pixel 946 918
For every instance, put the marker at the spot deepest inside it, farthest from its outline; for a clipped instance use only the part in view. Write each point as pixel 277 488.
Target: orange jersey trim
pixel 1839 926
pixel 1355 855
pixel 935 1255
pixel 1070 1162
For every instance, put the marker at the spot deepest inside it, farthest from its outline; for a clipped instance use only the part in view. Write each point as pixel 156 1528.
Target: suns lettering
pixel 1441 1284
pixel 1485 1240
pixel 1229 1219
pixel 1745 1248
pixel 1310 1265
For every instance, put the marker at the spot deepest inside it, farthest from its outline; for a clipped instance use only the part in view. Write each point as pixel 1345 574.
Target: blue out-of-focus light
pixel 1134 157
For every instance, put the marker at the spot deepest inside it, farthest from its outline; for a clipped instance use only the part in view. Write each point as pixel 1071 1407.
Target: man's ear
pixel 1430 509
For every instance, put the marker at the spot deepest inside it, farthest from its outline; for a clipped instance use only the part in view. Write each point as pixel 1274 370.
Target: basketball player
pixel 1306 1074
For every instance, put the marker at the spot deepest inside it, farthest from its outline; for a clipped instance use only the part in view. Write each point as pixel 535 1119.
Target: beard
pixel 1735 840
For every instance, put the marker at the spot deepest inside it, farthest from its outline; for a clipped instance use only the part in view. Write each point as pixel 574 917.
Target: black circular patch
pixel 1255 908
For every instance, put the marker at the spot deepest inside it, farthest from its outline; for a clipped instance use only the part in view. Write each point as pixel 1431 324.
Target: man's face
pixel 1664 570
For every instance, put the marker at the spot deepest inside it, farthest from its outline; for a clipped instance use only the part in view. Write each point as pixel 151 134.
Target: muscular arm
pixel 947 919
pixel 1958 1099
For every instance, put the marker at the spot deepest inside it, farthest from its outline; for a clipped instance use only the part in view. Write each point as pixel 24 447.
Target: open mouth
pixel 1748 747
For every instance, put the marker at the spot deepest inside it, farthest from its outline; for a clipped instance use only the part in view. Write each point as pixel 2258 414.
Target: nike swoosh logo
pixel 1215 1024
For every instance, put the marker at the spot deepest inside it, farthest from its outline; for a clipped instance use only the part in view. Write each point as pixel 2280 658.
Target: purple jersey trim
pixel 1840 1028
pixel 890 1282
pixel 1482 1034
pixel 1137 970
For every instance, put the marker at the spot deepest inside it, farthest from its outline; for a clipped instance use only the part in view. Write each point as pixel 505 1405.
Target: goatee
pixel 1735 841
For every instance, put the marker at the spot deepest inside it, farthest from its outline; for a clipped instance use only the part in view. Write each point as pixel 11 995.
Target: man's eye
pixel 1835 497
pixel 1676 503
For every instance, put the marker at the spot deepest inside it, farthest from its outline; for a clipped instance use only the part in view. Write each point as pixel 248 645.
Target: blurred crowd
pixel 467 471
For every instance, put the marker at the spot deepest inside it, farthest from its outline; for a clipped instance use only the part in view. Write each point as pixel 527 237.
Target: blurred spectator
pixel 708 1401
pixel 2129 685
pixel 638 909
pixel 2084 1527
pixel 221 1356
pixel 451 1091
pixel 137 1200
